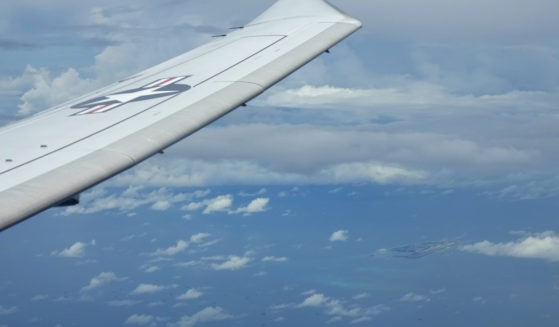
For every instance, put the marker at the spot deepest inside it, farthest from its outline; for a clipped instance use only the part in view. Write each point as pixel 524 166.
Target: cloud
pixel 232 263
pixel 150 269
pixel 221 203
pixel 256 205
pixel 198 238
pixel 172 250
pixel 208 314
pixel 339 236
pixel 538 246
pixel 161 205
pixel 339 309
pixel 360 296
pixel 497 21
pixel 100 280
pixel 412 297
pixel 191 294
pixel 217 204
pixel 140 320
pixel 76 250
pixel 133 197
pixel 275 259
pixel 149 289
pixel 7 311
pixel 438 291
pixel 314 300
pixel 183 245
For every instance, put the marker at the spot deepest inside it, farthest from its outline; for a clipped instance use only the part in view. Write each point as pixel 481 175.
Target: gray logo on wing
pixel 164 87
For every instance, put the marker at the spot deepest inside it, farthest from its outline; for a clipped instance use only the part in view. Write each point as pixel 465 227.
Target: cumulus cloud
pixel 161 205
pixel 538 246
pixel 198 238
pixel 150 269
pixel 100 280
pixel 218 204
pixel 133 197
pixel 339 236
pixel 232 263
pixel 256 205
pixel 191 294
pixel 139 320
pixel 208 314
pixel 172 250
pixel 181 245
pixel 221 203
pixel 360 296
pixel 76 250
pixel 149 289
pixel 338 309
pixel 314 300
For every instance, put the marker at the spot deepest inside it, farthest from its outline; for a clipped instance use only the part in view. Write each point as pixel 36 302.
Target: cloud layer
pixel 538 246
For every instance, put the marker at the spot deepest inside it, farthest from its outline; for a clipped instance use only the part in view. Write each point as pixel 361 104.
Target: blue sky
pixel 437 122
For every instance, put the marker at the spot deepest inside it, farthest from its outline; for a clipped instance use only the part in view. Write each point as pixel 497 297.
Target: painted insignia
pixel 164 87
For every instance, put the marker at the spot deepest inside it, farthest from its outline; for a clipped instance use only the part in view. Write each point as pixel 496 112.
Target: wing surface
pixel 56 154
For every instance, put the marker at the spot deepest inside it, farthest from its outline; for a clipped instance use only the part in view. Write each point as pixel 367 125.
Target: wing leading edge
pixel 63 151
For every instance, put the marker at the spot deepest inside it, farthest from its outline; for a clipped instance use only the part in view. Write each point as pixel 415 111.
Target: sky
pixel 408 178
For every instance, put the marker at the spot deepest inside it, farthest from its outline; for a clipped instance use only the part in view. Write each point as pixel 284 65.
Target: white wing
pixel 53 156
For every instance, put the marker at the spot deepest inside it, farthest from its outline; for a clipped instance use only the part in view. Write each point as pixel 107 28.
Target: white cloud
pixel 539 246
pixel 411 94
pixel 7 311
pixel 274 259
pixel 221 203
pixel 371 172
pixel 100 280
pixel 191 294
pixel 232 263
pixel 314 300
pixel 150 269
pixel 172 250
pixel 412 297
pixel 140 320
pixel 256 205
pixel 149 289
pixel 437 292
pixel 76 250
pixel 161 205
pixel 206 315
pixel 198 238
pixel 361 296
pixel 218 204
pixel 337 308
pixel 183 245
pixel 48 91
pixel 99 199
pixel 339 236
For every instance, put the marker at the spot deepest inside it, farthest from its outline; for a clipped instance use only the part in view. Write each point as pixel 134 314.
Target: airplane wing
pixel 48 159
